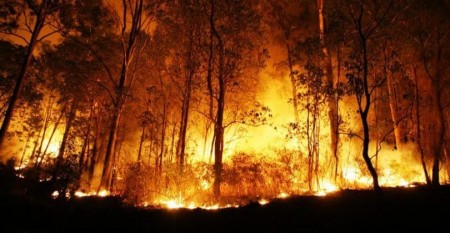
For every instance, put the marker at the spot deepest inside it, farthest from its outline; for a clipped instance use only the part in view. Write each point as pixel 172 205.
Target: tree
pixel 185 26
pixel 133 39
pixel 35 12
pixel 333 98
pixel 366 26
pixel 234 28
pixel 429 33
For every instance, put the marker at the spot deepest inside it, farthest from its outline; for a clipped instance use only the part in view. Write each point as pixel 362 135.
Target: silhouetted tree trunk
pixel 331 85
pixel 218 121
pixel 86 144
pixel 65 138
pixel 141 143
pixel 364 95
pixel 185 111
pixel 42 155
pixel 129 47
pixel 393 102
pixel 440 128
pixel 163 137
pixel 41 14
pixel 418 128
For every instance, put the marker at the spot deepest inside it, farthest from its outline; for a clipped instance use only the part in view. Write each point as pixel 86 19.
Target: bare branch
pixel 48 34
pixel 16 35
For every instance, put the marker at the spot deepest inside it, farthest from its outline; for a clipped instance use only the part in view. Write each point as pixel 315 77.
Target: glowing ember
pixel 102 193
pixel 321 193
pixel 283 195
pixel 214 207
pixel 55 194
pixel 263 202
pixel 177 204
pixel 172 204
pixel 329 187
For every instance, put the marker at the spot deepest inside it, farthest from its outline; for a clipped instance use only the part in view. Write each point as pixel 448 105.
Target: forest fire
pixel 216 105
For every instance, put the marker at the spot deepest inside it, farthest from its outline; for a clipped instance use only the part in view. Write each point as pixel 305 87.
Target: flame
pixel 263 202
pixel 329 187
pixel 177 204
pixel 173 204
pixel 55 194
pixel 101 193
pixel 266 147
pixel 283 195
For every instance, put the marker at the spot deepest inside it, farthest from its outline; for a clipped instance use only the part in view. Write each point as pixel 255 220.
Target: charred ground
pixel 348 210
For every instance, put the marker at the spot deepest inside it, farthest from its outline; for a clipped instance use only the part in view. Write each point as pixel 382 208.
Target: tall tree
pixel 185 24
pixel 429 32
pixel 366 26
pixel 333 104
pixel 134 19
pixel 234 32
pixel 36 15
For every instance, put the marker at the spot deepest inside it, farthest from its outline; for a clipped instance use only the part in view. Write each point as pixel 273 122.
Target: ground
pixel 419 208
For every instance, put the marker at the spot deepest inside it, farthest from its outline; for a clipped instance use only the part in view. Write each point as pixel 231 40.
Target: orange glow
pixel 263 202
pixel 177 204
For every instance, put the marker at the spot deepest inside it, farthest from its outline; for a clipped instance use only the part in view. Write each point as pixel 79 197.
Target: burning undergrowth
pixel 248 178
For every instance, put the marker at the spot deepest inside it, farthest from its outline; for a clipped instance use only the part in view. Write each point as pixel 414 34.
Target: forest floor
pixel 418 208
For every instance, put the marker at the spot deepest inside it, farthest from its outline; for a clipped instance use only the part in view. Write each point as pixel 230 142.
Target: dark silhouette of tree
pixel 234 28
pixel 36 15
pixel 364 28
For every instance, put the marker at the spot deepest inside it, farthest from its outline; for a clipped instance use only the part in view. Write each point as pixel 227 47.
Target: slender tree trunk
pixel 440 132
pixel 418 129
pixel 105 182
pixel 218 128
pixel 141 142
pixel 58 121
pixel 85 146
pixel 163 138
pixel 218 145
pixel 44 153
pixel 218 124
pixel 364 106
pixel 65 138
pixel 393 105
pixel 39 23
pixel 205 139
pixel 436 84
pixel 294 91
pixel 183 124
pixel 394 112
pixel 310 150
pixel 93 161
pixel 172 143
pixel 218 119
pixel 331 83
pixel 129 50
pixel 44 132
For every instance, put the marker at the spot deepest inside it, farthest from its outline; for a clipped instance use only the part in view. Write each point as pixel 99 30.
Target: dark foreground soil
pixel 419 209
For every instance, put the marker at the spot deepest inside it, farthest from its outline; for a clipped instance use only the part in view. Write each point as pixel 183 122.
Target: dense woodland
pixel 201 99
